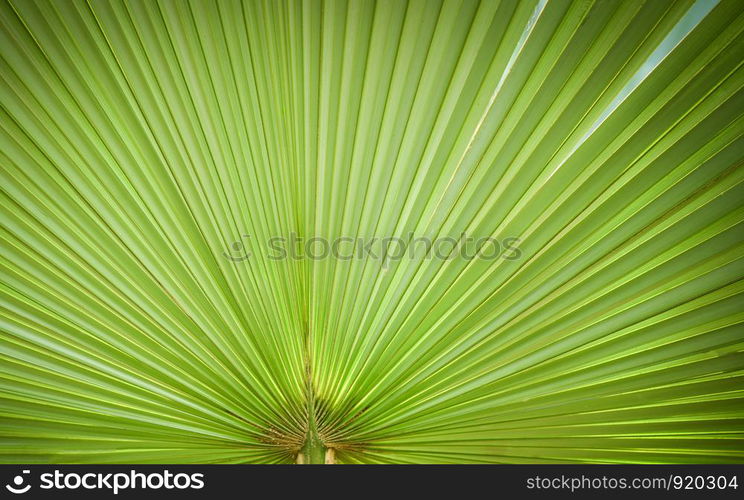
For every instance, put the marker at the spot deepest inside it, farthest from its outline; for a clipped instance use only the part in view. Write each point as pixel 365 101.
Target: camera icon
pixel 18 482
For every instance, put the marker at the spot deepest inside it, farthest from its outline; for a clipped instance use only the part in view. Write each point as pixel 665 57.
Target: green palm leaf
pixel 148 146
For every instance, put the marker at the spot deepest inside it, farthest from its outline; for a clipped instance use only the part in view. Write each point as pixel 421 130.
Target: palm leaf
pixel 148 146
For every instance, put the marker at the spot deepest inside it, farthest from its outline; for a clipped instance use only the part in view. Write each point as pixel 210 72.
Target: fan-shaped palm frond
pixel 175 174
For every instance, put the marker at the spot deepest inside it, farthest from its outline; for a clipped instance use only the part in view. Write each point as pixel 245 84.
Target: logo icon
pixel 18 481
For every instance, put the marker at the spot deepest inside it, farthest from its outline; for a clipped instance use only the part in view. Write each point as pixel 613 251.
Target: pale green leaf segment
pixel 141 139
